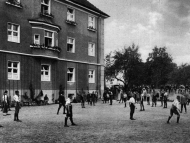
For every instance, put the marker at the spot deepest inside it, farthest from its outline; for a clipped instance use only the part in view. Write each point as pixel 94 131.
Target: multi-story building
pixel 48 44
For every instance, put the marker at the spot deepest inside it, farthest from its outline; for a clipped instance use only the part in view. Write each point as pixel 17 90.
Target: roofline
pixel 99 13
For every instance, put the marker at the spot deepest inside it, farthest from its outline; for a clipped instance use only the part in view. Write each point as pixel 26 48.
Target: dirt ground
pixel 101 123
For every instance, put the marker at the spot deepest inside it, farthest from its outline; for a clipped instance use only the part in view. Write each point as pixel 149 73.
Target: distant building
pixel 48 43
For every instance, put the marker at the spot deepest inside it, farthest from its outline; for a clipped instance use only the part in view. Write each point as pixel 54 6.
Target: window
pixel 91 76
pixel 13 70
pixel 70 74
pixel 45 6
pixel 49 40
pixel 45 72
pixel 70 45
pixel 37 39
pixel 17 1
pixel 13 31
pixel 70 14
pixel 91 49
pixel 91 22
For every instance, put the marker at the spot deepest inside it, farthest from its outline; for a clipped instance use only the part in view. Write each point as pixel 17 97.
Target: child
pixel 141 103
pixel 175 109
pixel 61 102
pixel 132 107
pixel 5 103
pixel 17 106
pixel 125 99
pixel 69 111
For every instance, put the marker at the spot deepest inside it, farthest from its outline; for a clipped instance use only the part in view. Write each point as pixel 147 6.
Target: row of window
pixel 14 72
pixel 46 10
pixel 13 31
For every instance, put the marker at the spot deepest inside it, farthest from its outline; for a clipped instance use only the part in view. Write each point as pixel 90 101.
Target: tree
pixel 125 66
pixel 180 75
pixel 159 65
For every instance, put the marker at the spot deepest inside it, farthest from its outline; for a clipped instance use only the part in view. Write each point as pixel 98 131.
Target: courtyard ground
pixel 102 123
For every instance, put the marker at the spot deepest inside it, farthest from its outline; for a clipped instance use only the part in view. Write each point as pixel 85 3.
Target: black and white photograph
pixel 94 71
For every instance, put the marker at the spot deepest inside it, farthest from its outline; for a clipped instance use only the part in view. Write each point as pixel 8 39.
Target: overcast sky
pixel 148 23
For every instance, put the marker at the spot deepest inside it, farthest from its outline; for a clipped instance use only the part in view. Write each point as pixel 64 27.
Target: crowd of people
pixel 130 98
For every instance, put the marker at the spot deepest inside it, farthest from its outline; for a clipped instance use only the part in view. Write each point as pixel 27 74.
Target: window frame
pixel 49 71
pixel 91 80
pixel 68 18
pixel 73 49
pixel 12 31
pixel 53 37
pixel 18 70
pixel 49 7
pixel 73 74
pixel 18 1
pixel 89 43
pixel 94 21
pixel 38 40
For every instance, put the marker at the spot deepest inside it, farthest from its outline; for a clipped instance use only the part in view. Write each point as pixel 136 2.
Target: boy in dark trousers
pixel 141 103
pixel 132 106
pixel 69 111
pixel 17 106
pixel 5 103
pixel 175 109
pixel 61 102
pixel 165 99
pixel 82 96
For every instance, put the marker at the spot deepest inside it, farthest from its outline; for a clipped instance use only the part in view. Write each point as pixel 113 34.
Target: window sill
pixel 18 5
pixel 13 79
pixel 91 29
pixel 46 80
pixel 14 42
pixel 71 52
pixel 47 15
pixel 91 82
pixel 70 81
pixel 54 48
pixel 91 55
pixel 71 22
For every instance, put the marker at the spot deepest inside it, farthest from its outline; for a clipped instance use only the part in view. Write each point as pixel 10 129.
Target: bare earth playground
pixel 101 123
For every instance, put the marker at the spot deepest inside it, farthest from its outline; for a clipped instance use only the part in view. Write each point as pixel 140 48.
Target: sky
pixel 148 23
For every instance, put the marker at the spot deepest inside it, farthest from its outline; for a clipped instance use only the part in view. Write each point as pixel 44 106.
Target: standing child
pixel 125 99
pixel 132 106
pixel 148 98
pixel 17 106
pixel 61 102
pixel 175 109
pixel 165 99
pixel 69 111
pixel 5 103
pixel 141 102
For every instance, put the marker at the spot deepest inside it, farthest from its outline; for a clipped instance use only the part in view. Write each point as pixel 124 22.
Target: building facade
pixel 48 44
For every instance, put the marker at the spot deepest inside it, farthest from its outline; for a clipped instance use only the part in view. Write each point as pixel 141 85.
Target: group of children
pixel 164 97
pixel 66 103
pixel 6 106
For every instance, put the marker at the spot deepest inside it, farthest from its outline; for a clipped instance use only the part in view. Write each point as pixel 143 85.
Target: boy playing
pixel 69 113
pixel 175 109
pixel 17 106
pixel 132 107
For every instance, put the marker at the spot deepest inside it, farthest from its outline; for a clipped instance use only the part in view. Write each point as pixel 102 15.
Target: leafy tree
pixel 180 75
pixel 160 65
pixel 125 66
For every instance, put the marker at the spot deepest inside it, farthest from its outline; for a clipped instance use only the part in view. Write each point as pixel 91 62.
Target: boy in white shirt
pixel 5 103
pixel 69 113
pixel 175 109
pixel 17 106
pixel 132 107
